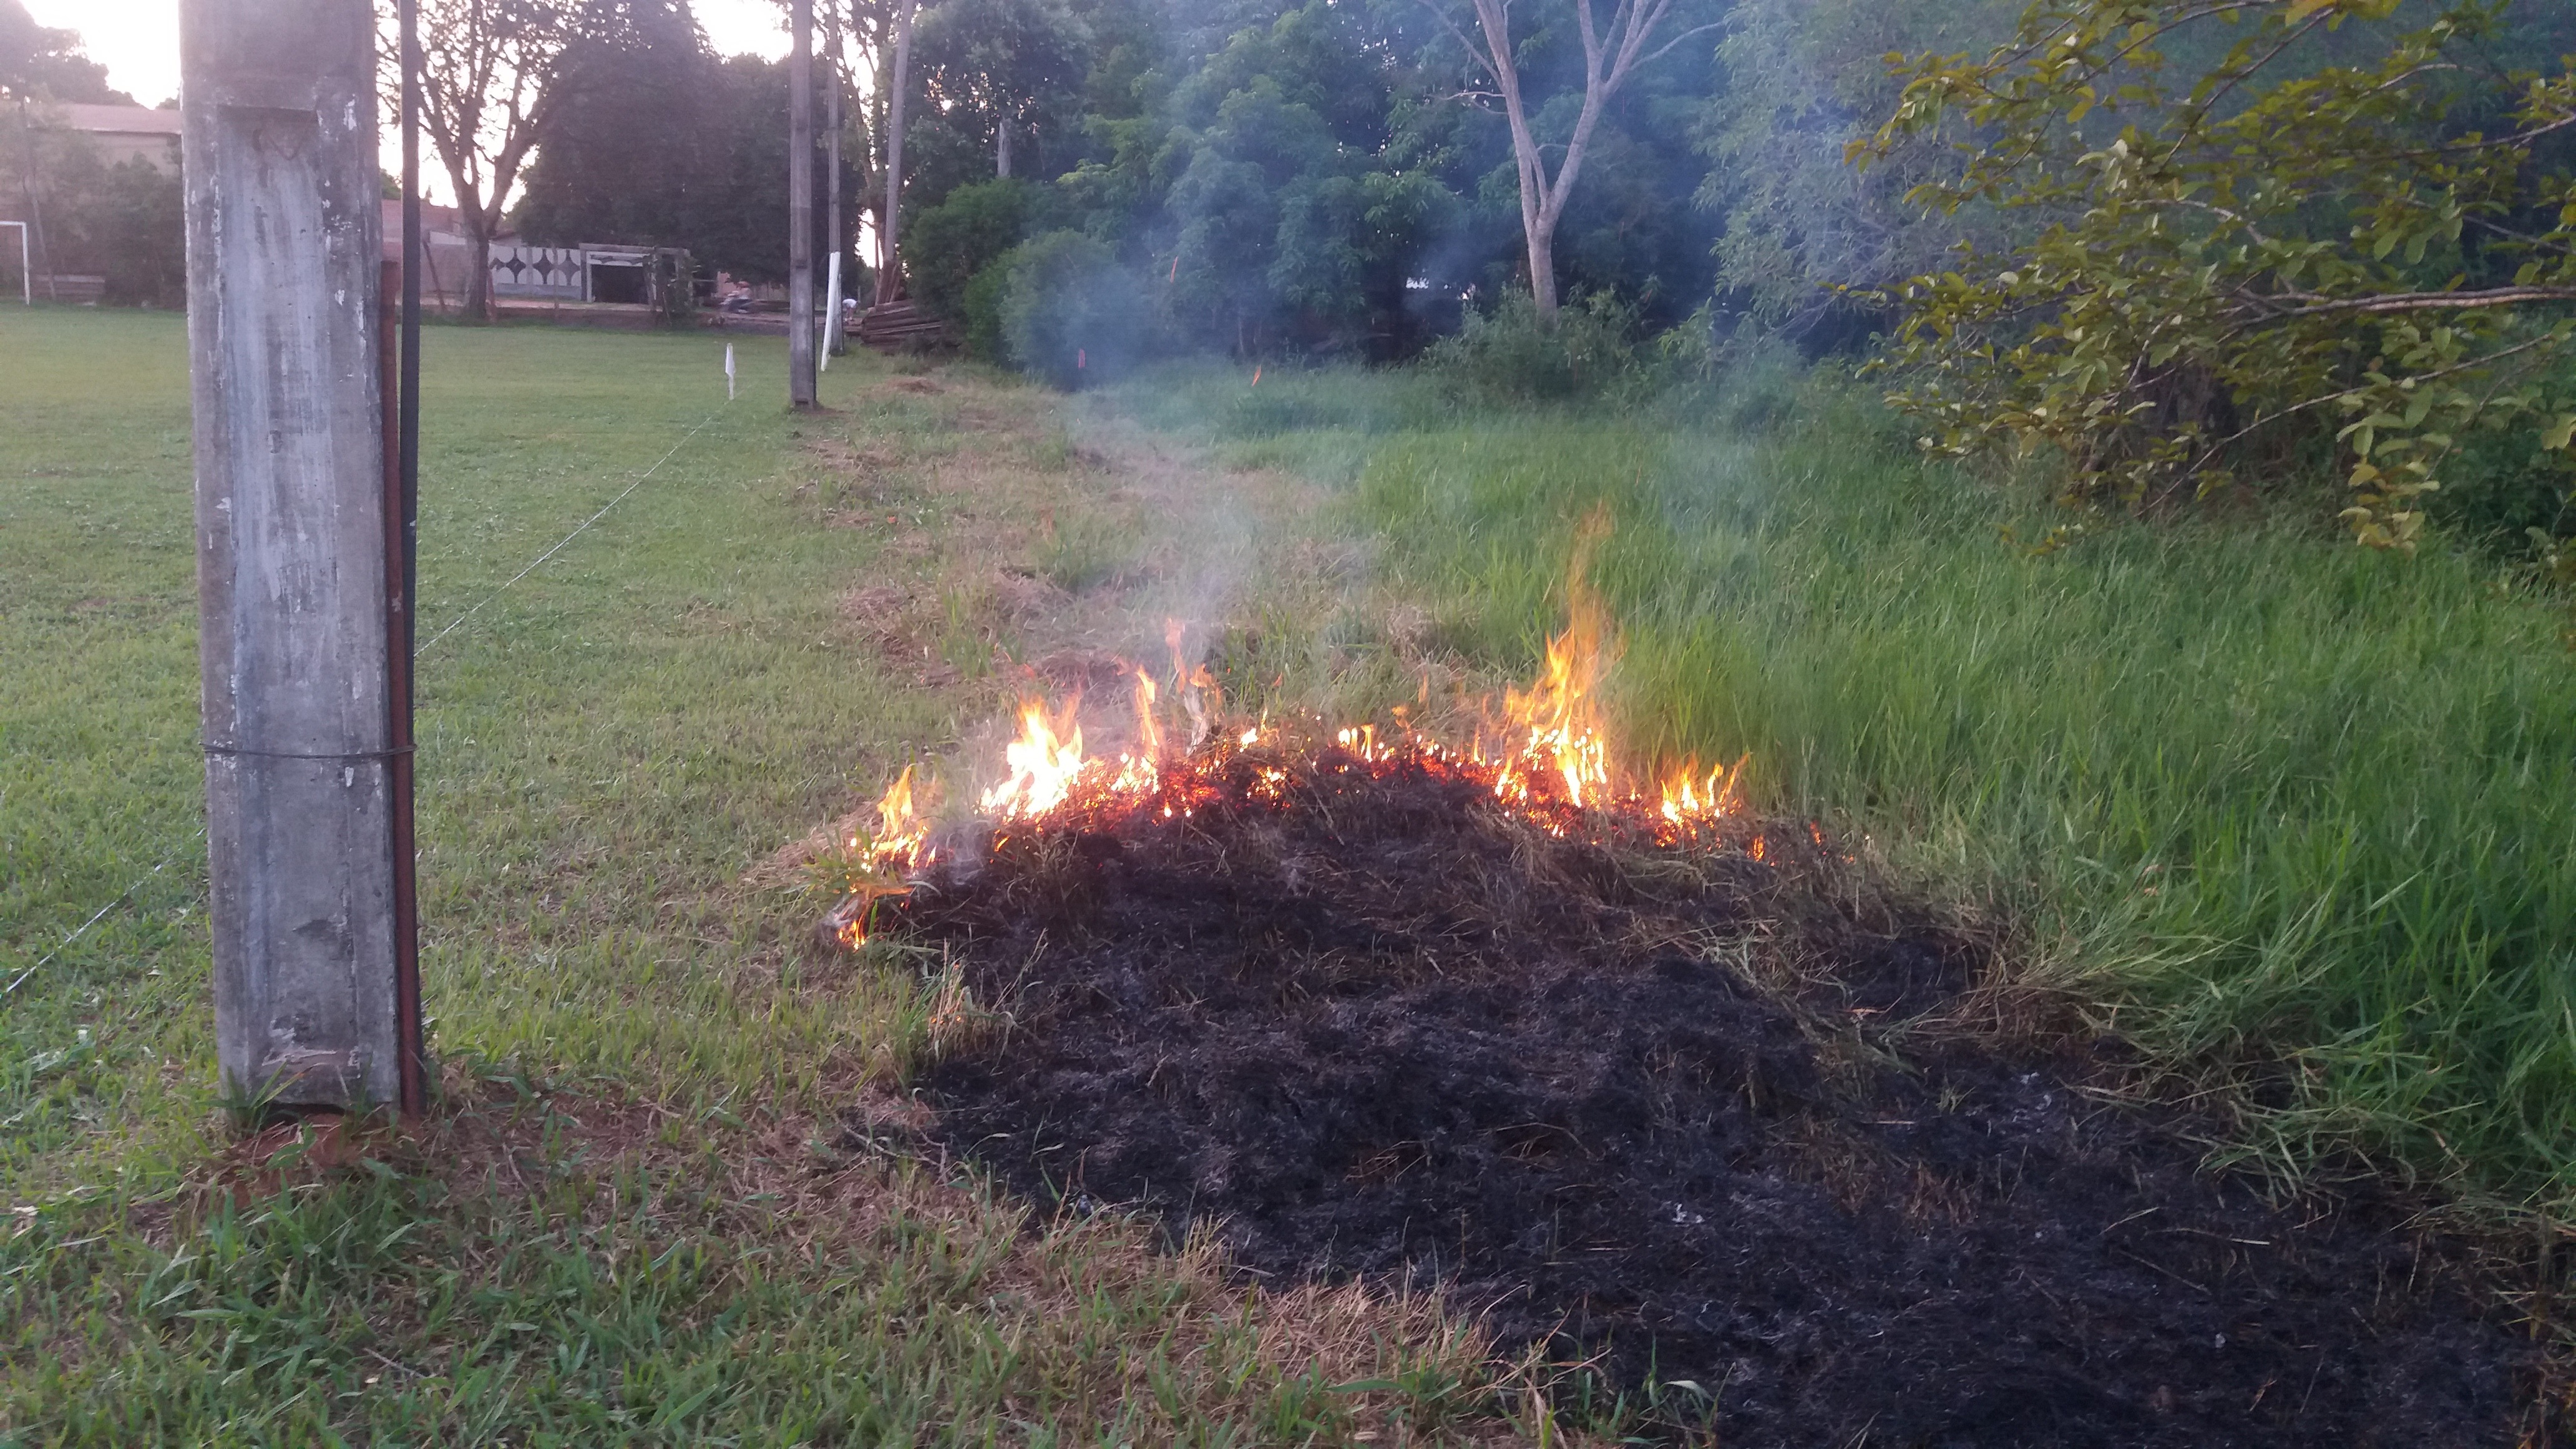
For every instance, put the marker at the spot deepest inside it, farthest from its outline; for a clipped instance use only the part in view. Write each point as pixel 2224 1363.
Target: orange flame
pixel 1044 763
pixel 1561 713
pixel 901 845
pixel 1552 766
pixel 903 837
pixel 1561 735
pixel 1149 730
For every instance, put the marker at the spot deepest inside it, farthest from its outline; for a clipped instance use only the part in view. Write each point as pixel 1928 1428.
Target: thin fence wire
pixel 100 914
pixel 458 622
pixel 566 540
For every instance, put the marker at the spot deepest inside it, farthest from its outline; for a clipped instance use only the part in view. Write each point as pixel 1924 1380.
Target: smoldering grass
pixel 2280 810
pixel 2276 806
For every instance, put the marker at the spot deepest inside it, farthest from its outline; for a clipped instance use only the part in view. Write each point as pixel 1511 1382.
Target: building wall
pixel 126 133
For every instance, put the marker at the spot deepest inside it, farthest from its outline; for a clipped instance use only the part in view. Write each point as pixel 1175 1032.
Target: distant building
pixel 591 272
pixel 124 133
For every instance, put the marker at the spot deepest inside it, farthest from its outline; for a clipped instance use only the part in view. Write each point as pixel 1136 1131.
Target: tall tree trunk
pixel 1542 265
pixel 800 205
pixel 1002 142
pixel 890 277
pixel 478 248
pixel 1609 55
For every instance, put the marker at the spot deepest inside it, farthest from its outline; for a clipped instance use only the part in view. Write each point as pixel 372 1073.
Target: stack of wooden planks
pixel 901 324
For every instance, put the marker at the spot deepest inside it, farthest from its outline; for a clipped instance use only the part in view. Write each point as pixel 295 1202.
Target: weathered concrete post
pixel 293 591
pixel 800 206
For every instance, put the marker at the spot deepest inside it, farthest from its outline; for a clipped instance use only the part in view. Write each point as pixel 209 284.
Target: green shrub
pixel 1070 314
pixel 949 245
pixel 1507 355
pixel 983 321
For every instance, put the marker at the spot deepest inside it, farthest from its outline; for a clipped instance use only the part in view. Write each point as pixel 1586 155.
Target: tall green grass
pixel 2271 801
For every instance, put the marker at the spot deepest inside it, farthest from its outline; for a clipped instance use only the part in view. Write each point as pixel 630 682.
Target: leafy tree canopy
pixel 2245 225
pixel 47 65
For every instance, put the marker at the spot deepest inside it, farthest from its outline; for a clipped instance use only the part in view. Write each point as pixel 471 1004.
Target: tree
pixel 998 58
pixel 896 84
pixel 1611 56
pixel 2336 229
pixel 488 88
pixel 627 151
pixel 39 65
pixel 971 228
pixel 1803 231
pixel 658 141
pixel 47 65
pixel 126 223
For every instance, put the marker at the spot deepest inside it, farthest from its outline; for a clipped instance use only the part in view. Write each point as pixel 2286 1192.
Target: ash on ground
pixel 1371 1027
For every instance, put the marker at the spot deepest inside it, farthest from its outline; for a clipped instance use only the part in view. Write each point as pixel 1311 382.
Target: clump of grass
pixel 1082 551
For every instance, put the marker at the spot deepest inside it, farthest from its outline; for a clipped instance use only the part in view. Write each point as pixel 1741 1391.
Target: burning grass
pixel 1547 761
pixel 1679 1094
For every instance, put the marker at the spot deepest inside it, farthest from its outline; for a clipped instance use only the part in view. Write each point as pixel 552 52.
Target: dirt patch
pixel 1365 1028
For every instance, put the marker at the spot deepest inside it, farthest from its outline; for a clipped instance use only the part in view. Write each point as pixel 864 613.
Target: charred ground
pixel 1696 1115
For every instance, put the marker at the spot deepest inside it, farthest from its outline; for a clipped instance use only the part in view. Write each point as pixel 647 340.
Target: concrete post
pixel 293 589
pixel 800 206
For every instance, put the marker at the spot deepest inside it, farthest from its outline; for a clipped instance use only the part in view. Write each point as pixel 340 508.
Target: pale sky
pixel 138 40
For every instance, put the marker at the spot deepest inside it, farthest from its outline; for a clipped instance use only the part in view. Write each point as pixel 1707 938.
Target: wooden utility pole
pixel 294 520
pixel 800 207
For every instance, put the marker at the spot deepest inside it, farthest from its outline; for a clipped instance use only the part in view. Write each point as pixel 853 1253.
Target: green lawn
pixel 639 1218
pixel 2284 809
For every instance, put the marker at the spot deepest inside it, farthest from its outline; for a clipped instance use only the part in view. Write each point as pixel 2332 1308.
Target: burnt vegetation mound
pixel 1716 1128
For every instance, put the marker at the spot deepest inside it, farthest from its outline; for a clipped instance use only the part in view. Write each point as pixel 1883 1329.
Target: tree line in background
pixel 120 221
pixel 2180 247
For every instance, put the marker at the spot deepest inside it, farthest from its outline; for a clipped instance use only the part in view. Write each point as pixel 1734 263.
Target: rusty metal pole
pixel 405 643
pixel 397 370
pixel 294 594
pixel 800 206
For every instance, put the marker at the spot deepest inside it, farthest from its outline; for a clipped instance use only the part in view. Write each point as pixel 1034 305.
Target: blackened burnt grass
pixel 1706 1125
pixel 632 1221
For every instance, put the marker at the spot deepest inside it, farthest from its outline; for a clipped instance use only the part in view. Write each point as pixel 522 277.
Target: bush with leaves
pixel 1070 313
pixel 1511 355
pixel 948 245
pixel 2256 223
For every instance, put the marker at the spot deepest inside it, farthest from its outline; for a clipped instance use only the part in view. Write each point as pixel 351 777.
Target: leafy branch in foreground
pixel 2223 257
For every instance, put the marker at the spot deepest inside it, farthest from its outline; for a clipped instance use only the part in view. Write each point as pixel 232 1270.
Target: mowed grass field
pixel 643 1215
pixel 2298 816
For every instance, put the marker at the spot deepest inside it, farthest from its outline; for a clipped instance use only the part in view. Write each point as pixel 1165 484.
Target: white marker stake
pixel 828 321
pixel 728 372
